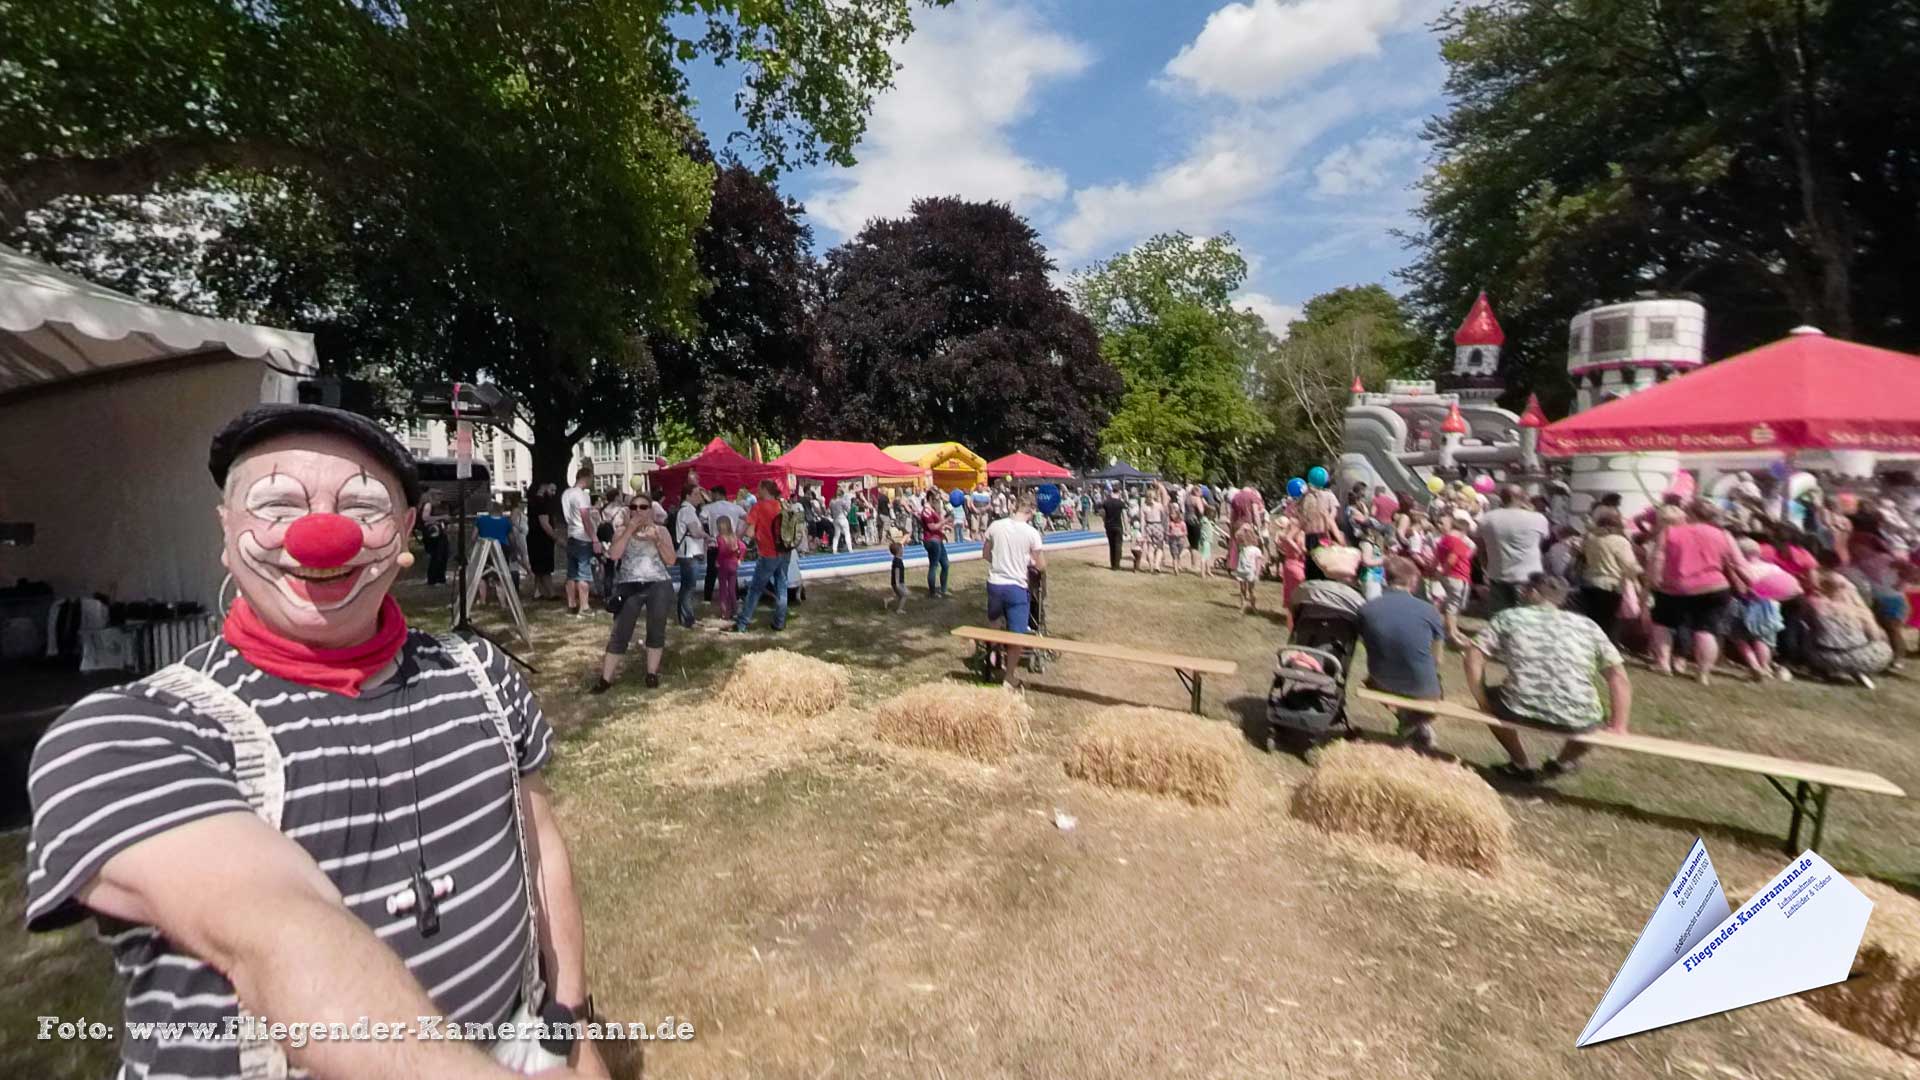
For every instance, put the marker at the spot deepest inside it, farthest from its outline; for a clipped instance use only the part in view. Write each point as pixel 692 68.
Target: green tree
pixel 750 368
pixel 106 97
pixel 444 188
pixel 1759 154
pixel 1167 323
pixel 1303 383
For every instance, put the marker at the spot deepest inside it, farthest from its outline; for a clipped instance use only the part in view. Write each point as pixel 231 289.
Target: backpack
pixel 788 530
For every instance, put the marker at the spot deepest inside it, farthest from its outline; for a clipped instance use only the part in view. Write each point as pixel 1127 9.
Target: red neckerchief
pixel 340 671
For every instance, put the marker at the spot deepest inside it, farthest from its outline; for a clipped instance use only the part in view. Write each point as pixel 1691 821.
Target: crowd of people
pixel 1821 584
pixel 1825 585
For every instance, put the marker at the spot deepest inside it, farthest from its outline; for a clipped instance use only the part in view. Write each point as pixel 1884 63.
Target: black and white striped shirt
pixel 126 764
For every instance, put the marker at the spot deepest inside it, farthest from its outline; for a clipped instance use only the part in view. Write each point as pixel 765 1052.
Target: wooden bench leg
pixel 1819 816
pixel 1192 681
pixel 1809 803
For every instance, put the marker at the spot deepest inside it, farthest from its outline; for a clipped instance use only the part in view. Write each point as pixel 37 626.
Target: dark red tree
pixel 946 325
pixel 749 367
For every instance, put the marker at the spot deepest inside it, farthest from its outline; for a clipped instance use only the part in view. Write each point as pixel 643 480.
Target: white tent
pixel 107 405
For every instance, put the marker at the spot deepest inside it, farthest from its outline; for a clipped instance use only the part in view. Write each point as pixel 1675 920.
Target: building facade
pixel 510 462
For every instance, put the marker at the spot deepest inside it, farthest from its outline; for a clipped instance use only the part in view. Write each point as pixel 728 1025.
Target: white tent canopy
pixel 107 406
pixel 55 326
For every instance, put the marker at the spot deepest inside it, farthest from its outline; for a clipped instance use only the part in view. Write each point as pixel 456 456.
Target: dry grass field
pixel 820 902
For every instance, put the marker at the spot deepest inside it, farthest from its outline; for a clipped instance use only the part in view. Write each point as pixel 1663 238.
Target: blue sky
pixel 1292 124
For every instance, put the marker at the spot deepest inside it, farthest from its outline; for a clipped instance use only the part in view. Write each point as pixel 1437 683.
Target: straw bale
pixel 985 723
pixel 1882 1000
pixel 1440 811
pixel 1158 752
pixel 782 683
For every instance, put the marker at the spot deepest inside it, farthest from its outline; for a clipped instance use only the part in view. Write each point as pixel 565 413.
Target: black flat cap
pixel 263 422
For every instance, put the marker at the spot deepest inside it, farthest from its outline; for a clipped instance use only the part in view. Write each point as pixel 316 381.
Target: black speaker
pixel 353 395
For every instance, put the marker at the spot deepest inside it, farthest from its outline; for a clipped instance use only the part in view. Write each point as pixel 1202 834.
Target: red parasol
pixel 1805 392
pixel 1027 467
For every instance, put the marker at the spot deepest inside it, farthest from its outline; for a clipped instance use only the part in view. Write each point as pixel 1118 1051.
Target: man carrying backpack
pixel 776 532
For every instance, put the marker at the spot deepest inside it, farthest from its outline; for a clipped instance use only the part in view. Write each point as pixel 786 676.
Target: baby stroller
pixel 990 661
pixel 1308 698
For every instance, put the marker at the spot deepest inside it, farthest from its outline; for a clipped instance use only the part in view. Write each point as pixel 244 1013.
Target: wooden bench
pixel 1191 669
pixel 1812 782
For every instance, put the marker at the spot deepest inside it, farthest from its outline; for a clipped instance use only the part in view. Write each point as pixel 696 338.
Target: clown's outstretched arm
pixel 244 898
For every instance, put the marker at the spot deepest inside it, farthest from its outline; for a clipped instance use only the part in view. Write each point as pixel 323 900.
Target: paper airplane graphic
pixel 1697 956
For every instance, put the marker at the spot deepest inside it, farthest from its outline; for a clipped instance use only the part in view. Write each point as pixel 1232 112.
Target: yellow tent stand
pixel 953 465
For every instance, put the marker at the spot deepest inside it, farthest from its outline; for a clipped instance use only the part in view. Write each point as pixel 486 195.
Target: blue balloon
pixel 1317 476
pixel 981 498
pixel 1296 487
pixel 957 498
pixel 1048 498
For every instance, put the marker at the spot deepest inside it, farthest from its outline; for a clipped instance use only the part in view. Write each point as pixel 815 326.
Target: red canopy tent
pixel 1806 392
pixel 1027 467
pixel 718 464
pixel 834 461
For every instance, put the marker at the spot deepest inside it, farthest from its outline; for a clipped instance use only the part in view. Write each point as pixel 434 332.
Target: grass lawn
pixel 818 904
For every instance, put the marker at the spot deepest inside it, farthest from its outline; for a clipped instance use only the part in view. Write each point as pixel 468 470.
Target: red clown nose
pixel 323 541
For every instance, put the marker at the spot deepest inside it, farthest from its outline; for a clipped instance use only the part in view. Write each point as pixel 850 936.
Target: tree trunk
pixel 552 449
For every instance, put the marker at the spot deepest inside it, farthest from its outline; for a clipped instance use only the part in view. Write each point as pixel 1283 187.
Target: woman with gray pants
pixel 642 552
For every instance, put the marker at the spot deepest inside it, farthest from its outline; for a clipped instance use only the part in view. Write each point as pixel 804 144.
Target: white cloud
pixel 1258 49
pixel 965 76
pixel 1363 166
pixel 1272 312
pixel 1223 176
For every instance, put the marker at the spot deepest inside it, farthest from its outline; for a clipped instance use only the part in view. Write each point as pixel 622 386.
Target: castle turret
pixel 1452 429
pixel 1621 349
pixel 1476 354
pixel 1531 421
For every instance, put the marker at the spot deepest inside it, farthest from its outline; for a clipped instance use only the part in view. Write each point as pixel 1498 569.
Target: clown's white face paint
pixel 314 527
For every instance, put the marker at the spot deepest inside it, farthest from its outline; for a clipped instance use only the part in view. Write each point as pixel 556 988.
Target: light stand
pixel 468 403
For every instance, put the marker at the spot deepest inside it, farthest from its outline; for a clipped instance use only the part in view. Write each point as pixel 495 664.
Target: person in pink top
pixel 1694 568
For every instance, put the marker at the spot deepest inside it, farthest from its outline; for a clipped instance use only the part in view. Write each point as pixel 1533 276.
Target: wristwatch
pixel 556 1014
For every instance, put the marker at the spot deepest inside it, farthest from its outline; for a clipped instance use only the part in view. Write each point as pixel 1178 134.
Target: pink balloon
pixel 1683 485
pixel 1483 484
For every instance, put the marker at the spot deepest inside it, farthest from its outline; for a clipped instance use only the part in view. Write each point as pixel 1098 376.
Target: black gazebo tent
pixel 1123 473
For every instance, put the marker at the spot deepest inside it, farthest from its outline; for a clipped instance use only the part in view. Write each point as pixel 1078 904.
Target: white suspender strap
pixel 532 989
pixel 261 772
pixel 257 765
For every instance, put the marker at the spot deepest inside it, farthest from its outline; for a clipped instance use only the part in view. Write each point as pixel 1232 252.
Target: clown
pixel 324 815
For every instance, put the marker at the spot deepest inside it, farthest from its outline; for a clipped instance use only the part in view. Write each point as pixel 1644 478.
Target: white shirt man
pixel 722 507
pixel 576 508
pixel 1011 548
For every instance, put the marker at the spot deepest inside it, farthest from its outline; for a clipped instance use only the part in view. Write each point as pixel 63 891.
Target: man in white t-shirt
pixel 690 525
pixel 576 509
pixel 1011 549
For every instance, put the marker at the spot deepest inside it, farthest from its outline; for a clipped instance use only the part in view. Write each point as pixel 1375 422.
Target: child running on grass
pixel 898 576
pixel 1247 570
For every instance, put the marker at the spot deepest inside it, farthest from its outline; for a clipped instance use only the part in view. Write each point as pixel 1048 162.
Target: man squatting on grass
pixel 324 815
pixel 1551 657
